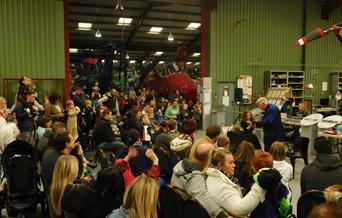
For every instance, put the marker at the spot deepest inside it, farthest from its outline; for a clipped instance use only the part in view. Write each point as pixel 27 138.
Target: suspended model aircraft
pixel 319 33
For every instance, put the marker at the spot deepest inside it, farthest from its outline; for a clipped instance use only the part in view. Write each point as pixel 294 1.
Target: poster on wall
pixel 245 83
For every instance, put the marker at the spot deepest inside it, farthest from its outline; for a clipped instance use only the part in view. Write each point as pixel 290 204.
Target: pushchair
pixel 21 191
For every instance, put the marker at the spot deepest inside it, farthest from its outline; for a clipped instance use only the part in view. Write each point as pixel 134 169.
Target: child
pixel 4 111
pixel 72 112
pixel 23 88
pixel 247 122
pixel 223 141
pixel 276 203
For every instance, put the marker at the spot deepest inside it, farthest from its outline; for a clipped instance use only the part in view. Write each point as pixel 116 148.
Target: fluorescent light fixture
pixel 98 34
pixel 158 53
pixel 193 26
pixel 155 30
pixel 171 38
pixel 73 50
pixel 84 25
pixel 83 29
pixel 189 62
pixel 124 21
pixel 196 54
pixel 161 62
pixel 197 63
pixel 132 61
pixel 115 61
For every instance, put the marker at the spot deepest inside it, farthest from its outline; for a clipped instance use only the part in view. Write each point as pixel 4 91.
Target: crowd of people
pixel 150 138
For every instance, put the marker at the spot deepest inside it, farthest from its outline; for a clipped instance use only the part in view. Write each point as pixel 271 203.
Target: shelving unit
pixel 290 79
pixel 335 85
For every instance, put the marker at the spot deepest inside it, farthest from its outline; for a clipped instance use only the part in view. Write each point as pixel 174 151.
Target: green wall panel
pixel 250 37
pixel 323 55
pixel 31 38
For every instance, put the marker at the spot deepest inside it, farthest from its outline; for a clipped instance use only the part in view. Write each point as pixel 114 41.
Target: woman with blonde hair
pixel 67 196
pixel 140 199
pixel 190 175
pixel 223 185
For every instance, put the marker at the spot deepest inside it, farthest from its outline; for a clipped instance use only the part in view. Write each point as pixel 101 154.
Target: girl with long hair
pixel 67 196
pixel 140 199
pixel 243 161
pixel 285 169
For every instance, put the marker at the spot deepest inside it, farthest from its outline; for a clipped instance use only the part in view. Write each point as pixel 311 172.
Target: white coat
pixel 228 195
pixel 286 171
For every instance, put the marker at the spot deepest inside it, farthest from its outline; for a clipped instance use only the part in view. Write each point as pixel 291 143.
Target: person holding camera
pixel 106 135
pixel 27 116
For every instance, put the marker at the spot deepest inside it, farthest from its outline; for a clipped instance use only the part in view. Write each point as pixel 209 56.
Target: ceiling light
pixel 132 61
pixel 84 25
pixel 103 60
pixel 124 21
pixel 196 54
pixel 161 62
pixel 155 30
pixel 127 56
pixel 119 6
pixel 197 63
pixel 158 53
pixel 98 34
pixel 189 62
pixel 115 61
pixel 73 50
pixel 193 26
pixel 143 62
pixel 171 38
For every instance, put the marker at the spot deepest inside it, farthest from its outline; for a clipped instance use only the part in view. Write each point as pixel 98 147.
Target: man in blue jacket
pixel 271 123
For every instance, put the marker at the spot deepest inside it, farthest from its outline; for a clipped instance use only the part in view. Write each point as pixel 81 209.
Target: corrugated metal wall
pixel 324 55
pixel 250 37
pixel 31 38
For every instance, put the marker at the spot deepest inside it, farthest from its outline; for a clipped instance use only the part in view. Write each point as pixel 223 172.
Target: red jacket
pixel 154 171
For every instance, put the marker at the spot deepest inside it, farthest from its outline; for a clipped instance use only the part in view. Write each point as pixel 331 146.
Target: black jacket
pixel 324 171
pixel 103 132
pixel 80 200
pixel 26 120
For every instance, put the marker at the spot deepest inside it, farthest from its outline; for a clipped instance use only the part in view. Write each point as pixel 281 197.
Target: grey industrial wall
pixel 32 40
pixel 253 36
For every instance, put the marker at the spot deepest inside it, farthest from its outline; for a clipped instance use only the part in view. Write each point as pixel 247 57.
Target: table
pixel 291 121
pixel 338 145
pixel 326 111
